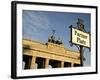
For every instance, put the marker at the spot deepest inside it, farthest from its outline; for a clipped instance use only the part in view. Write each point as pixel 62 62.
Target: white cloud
pixel 36 25
pixel 35 20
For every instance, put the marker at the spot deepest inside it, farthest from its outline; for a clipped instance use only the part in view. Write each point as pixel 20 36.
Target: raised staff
pixel 80 37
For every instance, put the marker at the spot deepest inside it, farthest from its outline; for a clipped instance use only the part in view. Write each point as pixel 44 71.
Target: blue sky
pixel 38 25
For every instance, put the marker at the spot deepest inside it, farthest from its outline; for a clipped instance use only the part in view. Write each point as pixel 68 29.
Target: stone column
pixel 62 64
pixel 46 63
pixel 72 64
pixel 33 62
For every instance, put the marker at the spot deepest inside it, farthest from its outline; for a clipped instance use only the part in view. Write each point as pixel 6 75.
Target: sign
pixel 80 37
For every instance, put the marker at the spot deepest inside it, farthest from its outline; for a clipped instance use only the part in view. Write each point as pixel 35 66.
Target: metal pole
pixel 81 55
pixel 81 27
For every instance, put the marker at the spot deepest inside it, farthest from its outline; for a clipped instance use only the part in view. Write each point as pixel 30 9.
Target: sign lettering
pixel 80 37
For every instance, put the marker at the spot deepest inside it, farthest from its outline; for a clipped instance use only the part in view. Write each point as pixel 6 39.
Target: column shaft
pixel 62 64
pixel 33 65
pixel 72 64
pixel 46 63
